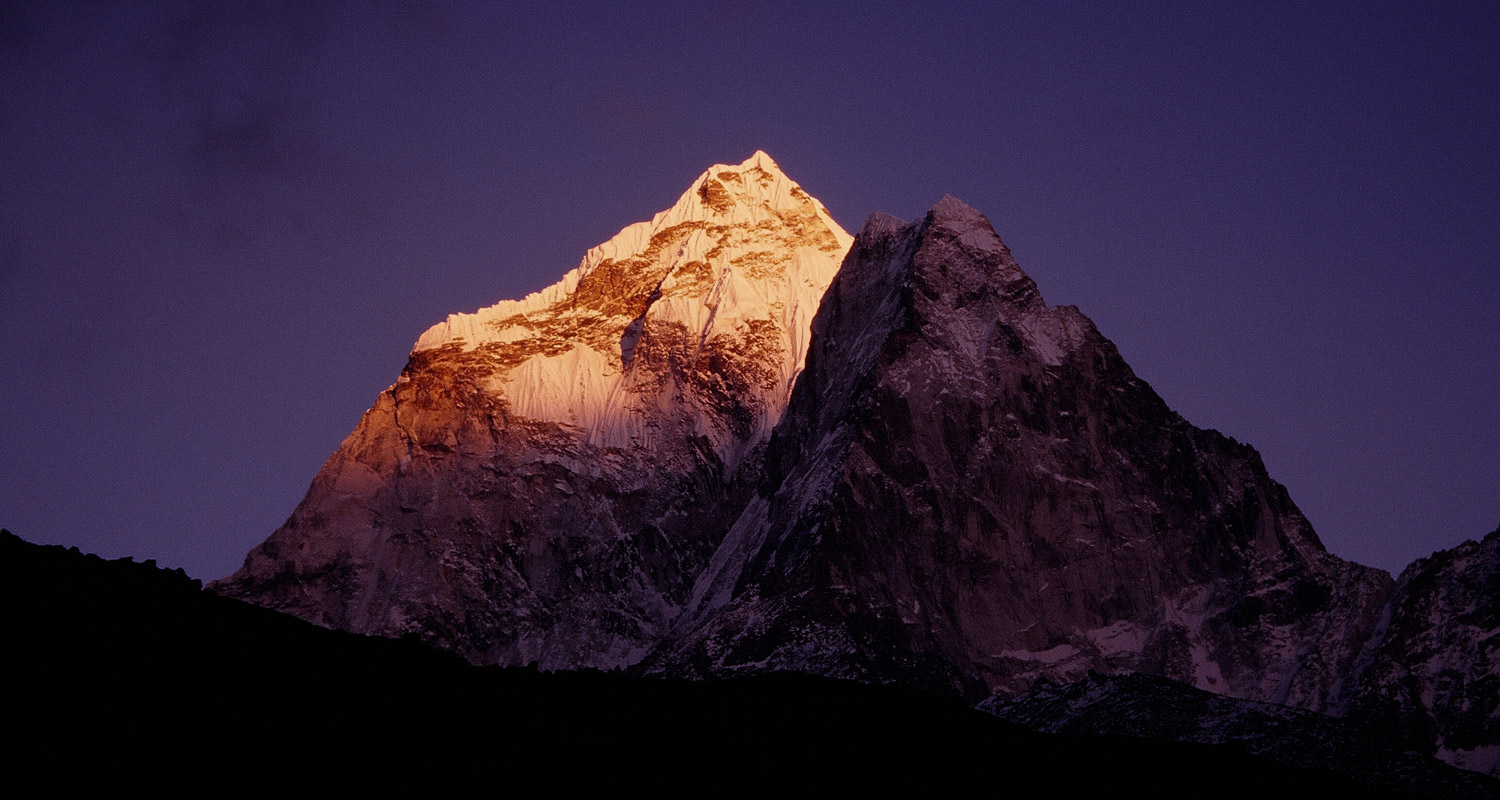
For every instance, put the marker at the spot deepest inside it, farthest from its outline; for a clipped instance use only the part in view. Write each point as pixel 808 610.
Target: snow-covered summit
pixel 704 309
pixel 751 193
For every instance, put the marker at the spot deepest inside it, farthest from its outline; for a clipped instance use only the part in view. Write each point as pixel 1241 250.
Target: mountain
pixel 971 488
pixel 125 678
pixel 736 441
pixel 547 476
pixel 1432 671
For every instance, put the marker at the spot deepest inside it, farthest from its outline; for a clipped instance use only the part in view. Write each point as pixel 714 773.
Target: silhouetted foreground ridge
pixel 123 676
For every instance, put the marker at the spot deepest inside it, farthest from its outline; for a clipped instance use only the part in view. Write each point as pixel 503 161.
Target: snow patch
pixel 1121 638
pixel 1051 655
pixel 1485 759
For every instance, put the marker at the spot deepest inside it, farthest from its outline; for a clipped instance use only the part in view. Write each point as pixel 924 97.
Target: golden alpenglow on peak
pixel 742 257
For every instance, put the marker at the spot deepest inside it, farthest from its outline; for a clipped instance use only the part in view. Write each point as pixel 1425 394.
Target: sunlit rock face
pixel 971 490
pixel 548 476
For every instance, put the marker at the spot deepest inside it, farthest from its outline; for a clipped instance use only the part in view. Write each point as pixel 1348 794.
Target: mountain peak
pixel 760 159
pixel 740 196
pixel 880 223
pixel 754 185
pixel 952 212
pixel 952 207
pixel 974 231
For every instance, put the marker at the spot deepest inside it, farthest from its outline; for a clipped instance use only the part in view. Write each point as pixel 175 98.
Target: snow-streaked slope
pixel 742 258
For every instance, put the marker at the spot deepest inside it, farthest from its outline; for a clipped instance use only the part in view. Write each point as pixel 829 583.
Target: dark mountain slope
pixel 1156 708
pixel 971 489
pixel 1433 669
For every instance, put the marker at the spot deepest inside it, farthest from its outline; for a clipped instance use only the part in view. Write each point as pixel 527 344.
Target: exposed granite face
pixel 1432 671
pixel 970 478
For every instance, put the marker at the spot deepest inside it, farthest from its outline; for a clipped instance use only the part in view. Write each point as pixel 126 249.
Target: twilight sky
pixel 222 226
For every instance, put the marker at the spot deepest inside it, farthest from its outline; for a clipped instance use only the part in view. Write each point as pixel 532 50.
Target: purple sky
pixel 222 227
